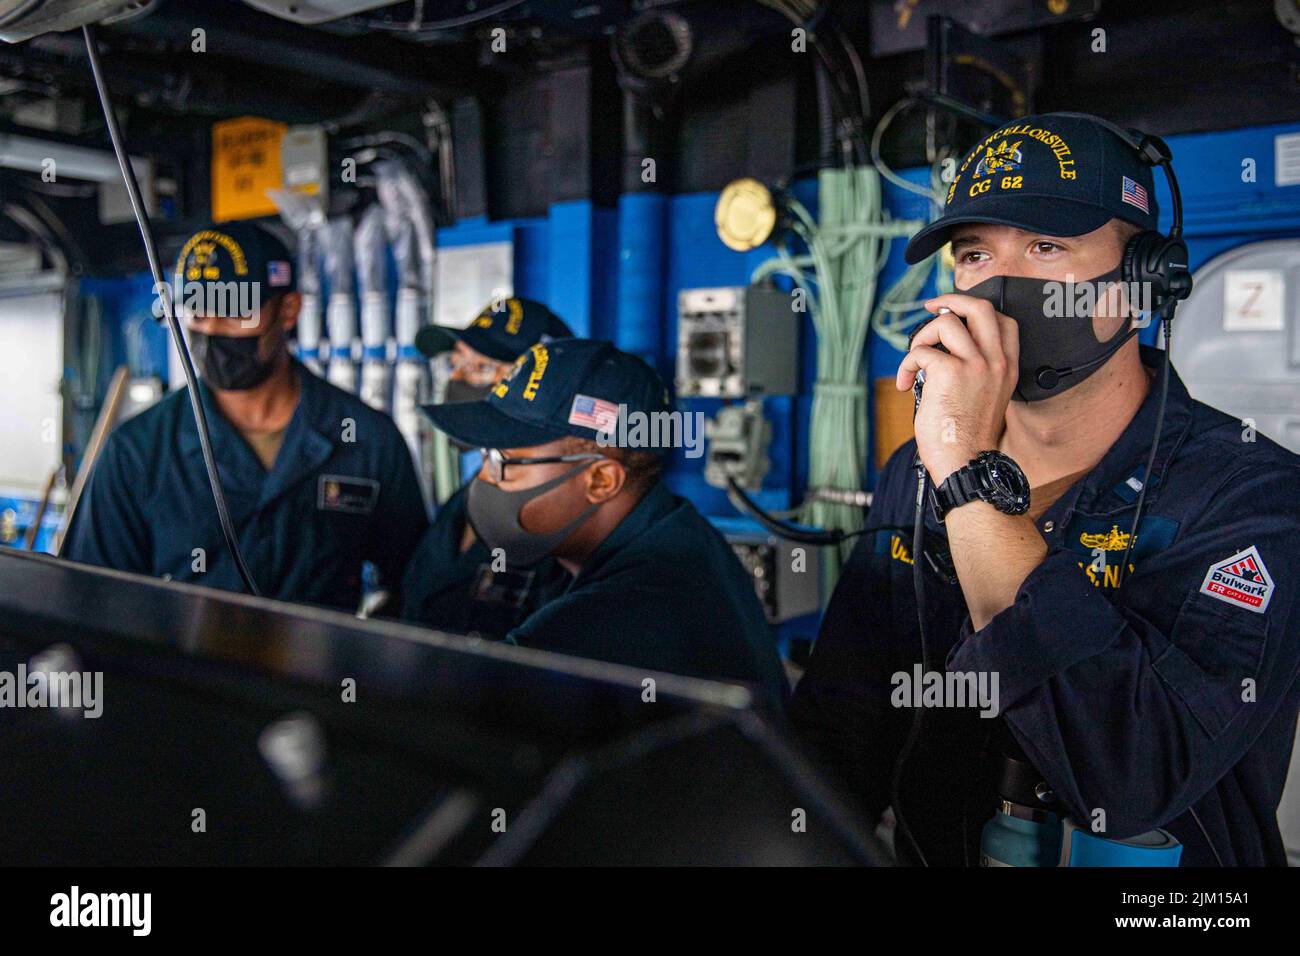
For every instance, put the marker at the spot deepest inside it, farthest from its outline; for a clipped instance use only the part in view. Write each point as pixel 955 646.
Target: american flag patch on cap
pixel 1135 195
pixel 588 412
pixel 277 272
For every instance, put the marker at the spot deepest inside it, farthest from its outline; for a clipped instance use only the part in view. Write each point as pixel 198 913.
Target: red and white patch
pixel 1242 580
pixel 278 272
pixel 596 413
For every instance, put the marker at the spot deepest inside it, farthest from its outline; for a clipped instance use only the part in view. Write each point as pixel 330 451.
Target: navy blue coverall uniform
pixel 457 591
pixel 1174 693
pixel 342 491
pixel 665 592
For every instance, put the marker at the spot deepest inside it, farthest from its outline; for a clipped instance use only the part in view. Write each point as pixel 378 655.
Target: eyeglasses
pixel 497 461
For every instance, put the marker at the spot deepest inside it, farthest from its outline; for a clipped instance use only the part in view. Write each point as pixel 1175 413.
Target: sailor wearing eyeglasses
pixel 647 581
pixel 457 588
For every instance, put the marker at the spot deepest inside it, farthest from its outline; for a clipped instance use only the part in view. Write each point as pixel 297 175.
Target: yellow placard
pixel 245 164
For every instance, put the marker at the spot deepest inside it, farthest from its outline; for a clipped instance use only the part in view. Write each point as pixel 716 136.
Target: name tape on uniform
pixel 347 494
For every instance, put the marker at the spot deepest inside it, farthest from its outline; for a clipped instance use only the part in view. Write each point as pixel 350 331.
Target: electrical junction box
pixel 738 440
pixel 736 342
pixel 787 585
pixel 304 161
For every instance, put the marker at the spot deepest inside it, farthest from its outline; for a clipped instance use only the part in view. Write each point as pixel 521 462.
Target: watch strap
pixel 959 488
pixel 975 481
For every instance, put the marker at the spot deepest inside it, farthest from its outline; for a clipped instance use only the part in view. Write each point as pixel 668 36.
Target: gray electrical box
pixel 304 160
pixel 788 586
pixel 738 439
pixel 736 342
pixel 1236 340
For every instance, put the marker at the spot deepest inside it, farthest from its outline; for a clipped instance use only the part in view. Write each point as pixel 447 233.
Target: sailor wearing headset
pixel 1149 676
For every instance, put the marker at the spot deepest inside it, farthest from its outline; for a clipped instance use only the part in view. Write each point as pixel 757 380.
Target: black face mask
pixel 230 363
pixel 1058 349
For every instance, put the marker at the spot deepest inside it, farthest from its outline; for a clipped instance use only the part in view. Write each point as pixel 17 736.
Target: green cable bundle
pixel 846 251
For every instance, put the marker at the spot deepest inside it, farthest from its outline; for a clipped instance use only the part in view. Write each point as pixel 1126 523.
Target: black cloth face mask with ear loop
pixel 230 362
pixel 1057 352
pixel 493 513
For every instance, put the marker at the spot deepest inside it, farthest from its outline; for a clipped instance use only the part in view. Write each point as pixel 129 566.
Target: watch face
pixel 1008 489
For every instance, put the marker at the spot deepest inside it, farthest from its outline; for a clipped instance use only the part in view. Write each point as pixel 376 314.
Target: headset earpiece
pixel 1150 256
pixel 1137 256
pixel 1160 262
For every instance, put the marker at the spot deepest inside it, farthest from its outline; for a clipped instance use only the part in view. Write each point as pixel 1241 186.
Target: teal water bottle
pixel 1025 830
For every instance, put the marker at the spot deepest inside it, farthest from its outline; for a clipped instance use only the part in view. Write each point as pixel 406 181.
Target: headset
pixel 1156 260
pixel 1160 262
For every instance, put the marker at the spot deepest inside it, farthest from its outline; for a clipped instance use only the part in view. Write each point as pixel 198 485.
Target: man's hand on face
pixel 966 392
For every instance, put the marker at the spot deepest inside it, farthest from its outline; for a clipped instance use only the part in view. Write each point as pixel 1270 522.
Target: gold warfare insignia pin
pixel 1112 540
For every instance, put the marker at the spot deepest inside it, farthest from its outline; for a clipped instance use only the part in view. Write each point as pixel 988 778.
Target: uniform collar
pixel 1114 483
pixel 308 440
pixel 657 502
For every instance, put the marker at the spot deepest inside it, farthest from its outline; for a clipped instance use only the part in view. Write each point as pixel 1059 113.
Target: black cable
pixel 864 98
pixel 1176 200
pixel 56 226
pixel 162 289
pixel 918 585
pixel 851 123
pixel 1167 325
pixel 390 138
pixel 32 224
pixel 813 536
pixel 1204 833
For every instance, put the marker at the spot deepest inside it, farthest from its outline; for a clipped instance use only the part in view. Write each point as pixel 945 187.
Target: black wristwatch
pixel 991 476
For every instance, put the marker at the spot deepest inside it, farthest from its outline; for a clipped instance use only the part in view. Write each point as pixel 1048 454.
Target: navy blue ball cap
pixel 499 333
pixel 1054 174
pixel 566 387
pixel 240 252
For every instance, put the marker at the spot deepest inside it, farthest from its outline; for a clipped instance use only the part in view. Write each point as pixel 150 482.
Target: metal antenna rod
pixel 163 291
